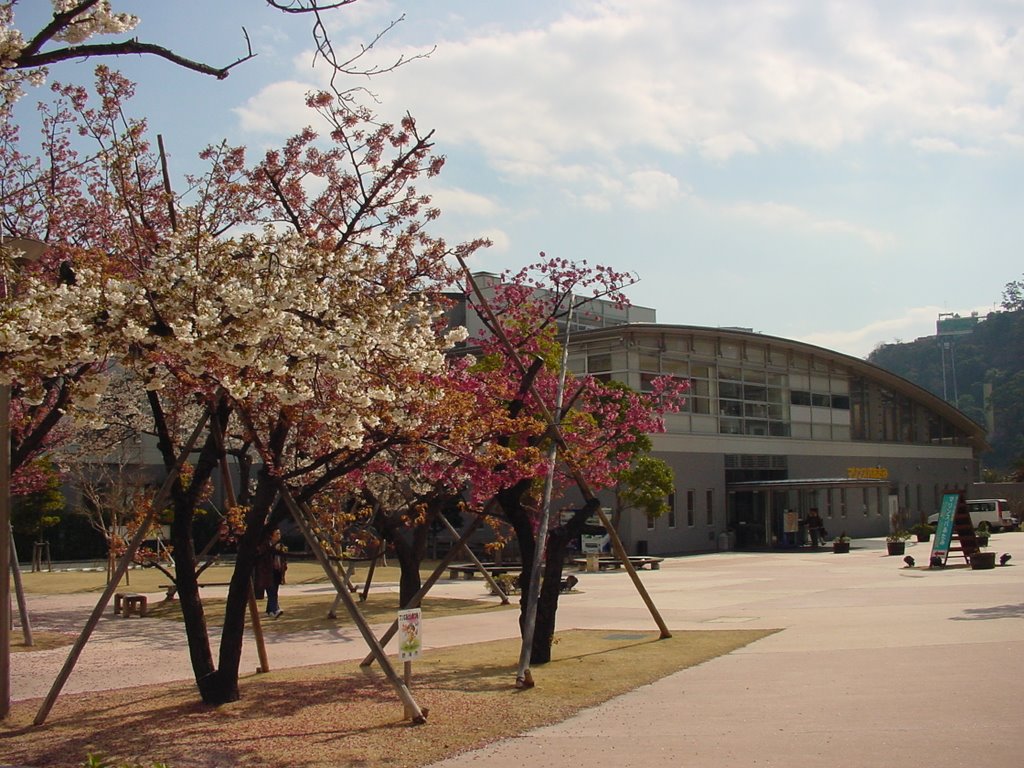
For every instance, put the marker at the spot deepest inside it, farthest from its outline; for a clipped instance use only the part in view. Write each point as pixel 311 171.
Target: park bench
pixel 173 588
pixel 470 570
pixel 606 563
pixel 510 584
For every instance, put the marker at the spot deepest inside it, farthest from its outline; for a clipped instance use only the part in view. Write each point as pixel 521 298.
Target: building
pixel 774 426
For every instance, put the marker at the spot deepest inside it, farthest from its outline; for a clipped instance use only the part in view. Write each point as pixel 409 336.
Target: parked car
pixel 995 512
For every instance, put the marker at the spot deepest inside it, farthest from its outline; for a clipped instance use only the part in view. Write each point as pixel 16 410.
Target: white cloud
pixel 453 200
pixel 913 323
pixel 605 80
pixel 651 189
pixel 278 109
pixel 791 217
pixel 941 145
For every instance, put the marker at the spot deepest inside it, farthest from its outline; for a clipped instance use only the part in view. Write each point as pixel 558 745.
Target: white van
pixel 995 512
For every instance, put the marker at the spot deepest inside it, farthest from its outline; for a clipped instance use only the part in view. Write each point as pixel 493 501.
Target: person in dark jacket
pixel 271 564
pixel 815 527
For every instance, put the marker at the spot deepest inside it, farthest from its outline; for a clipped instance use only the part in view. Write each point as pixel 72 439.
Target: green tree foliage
pixel 33 513
pixel 959 368
pixel 1013 296
pixel 646 486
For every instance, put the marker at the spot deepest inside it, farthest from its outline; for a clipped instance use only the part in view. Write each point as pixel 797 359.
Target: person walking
pixel 271 564
pixel 815 527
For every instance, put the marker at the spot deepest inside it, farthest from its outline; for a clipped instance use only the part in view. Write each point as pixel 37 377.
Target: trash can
pixel 723 542
pixel 641 547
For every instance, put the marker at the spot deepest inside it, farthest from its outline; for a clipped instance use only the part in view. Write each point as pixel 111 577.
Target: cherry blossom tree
pixel 601 427
pixel 297 297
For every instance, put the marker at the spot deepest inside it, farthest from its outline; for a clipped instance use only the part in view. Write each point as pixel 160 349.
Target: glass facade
pixel 763 388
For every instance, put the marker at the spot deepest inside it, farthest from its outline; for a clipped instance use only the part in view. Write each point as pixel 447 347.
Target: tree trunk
pixel 558 540
pixel 408 553
pixel 519 517
pixel 224 686
pixel 550 589
pixel 188 594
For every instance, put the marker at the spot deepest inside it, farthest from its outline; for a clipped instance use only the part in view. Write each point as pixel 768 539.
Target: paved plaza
pixel 875 663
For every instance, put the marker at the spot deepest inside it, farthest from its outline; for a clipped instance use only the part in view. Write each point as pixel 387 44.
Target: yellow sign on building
pixel 867 473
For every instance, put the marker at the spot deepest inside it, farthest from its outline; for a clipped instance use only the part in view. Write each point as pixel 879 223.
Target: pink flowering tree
pixel 296 298
pixel 603 427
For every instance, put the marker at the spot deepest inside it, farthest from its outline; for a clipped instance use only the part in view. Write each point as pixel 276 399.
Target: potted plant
pixel 841 544
pixel 896 542
pixel 981 533
pixel 982 561
pixel 923 531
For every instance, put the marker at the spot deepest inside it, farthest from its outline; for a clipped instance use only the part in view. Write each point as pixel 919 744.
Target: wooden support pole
pixel 19 590
pixel 377 554
pixel 480 566
pixel 257 630
pixel 122 567
pixel 417 599
pixel 412 709
pixel 620 552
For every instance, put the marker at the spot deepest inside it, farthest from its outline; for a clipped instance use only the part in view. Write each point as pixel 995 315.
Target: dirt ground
pixel 342 715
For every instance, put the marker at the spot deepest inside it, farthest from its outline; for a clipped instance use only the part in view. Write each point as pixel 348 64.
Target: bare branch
pixel 125 48
pixel 307 6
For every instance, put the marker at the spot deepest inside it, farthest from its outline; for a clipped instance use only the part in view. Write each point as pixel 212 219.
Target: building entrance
pixel 770 513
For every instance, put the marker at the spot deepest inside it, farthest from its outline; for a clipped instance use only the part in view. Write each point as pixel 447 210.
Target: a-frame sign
pixel 954 520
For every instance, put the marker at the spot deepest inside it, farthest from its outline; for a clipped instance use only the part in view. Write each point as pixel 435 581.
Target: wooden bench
pixel 127 603
pixel 469 570
pixel 173 588
pixel 606 563
pixel 511 585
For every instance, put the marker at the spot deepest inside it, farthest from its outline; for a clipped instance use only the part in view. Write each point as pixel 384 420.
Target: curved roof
pixel 959 420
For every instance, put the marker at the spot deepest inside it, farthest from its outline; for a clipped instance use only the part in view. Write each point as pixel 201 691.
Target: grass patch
pixel 41 641
pixel 151 580
pixel 340 715
pixel 304 613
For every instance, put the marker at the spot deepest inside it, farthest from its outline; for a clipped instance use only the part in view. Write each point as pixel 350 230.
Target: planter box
pixel 840 547
pixel 982 561
pixel 924 537
pixel 896 547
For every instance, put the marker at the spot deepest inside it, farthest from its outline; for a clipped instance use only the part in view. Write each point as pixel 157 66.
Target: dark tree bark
pixel 184 500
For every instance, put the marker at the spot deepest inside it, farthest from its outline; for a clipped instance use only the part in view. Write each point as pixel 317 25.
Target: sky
pixel 837 173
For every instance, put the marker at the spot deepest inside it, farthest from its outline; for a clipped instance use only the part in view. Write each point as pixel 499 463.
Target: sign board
pixel 791 521
pixel 867 473
pixel 410 633
pixel 944 526
pixel 594 544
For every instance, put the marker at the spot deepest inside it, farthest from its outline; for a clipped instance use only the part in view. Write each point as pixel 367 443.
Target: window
pixel 650 522
pixel 709 498
pixel 690 502
pixel 599 363
pixel 671 501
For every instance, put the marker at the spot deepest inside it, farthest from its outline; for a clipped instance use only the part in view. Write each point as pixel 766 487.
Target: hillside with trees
pixel 981 372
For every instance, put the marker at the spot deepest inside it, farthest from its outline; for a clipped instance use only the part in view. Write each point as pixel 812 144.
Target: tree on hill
pixel 1013 296
pixel 963 369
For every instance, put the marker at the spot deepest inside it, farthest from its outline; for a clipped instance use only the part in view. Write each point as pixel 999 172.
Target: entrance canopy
pixel 806 484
